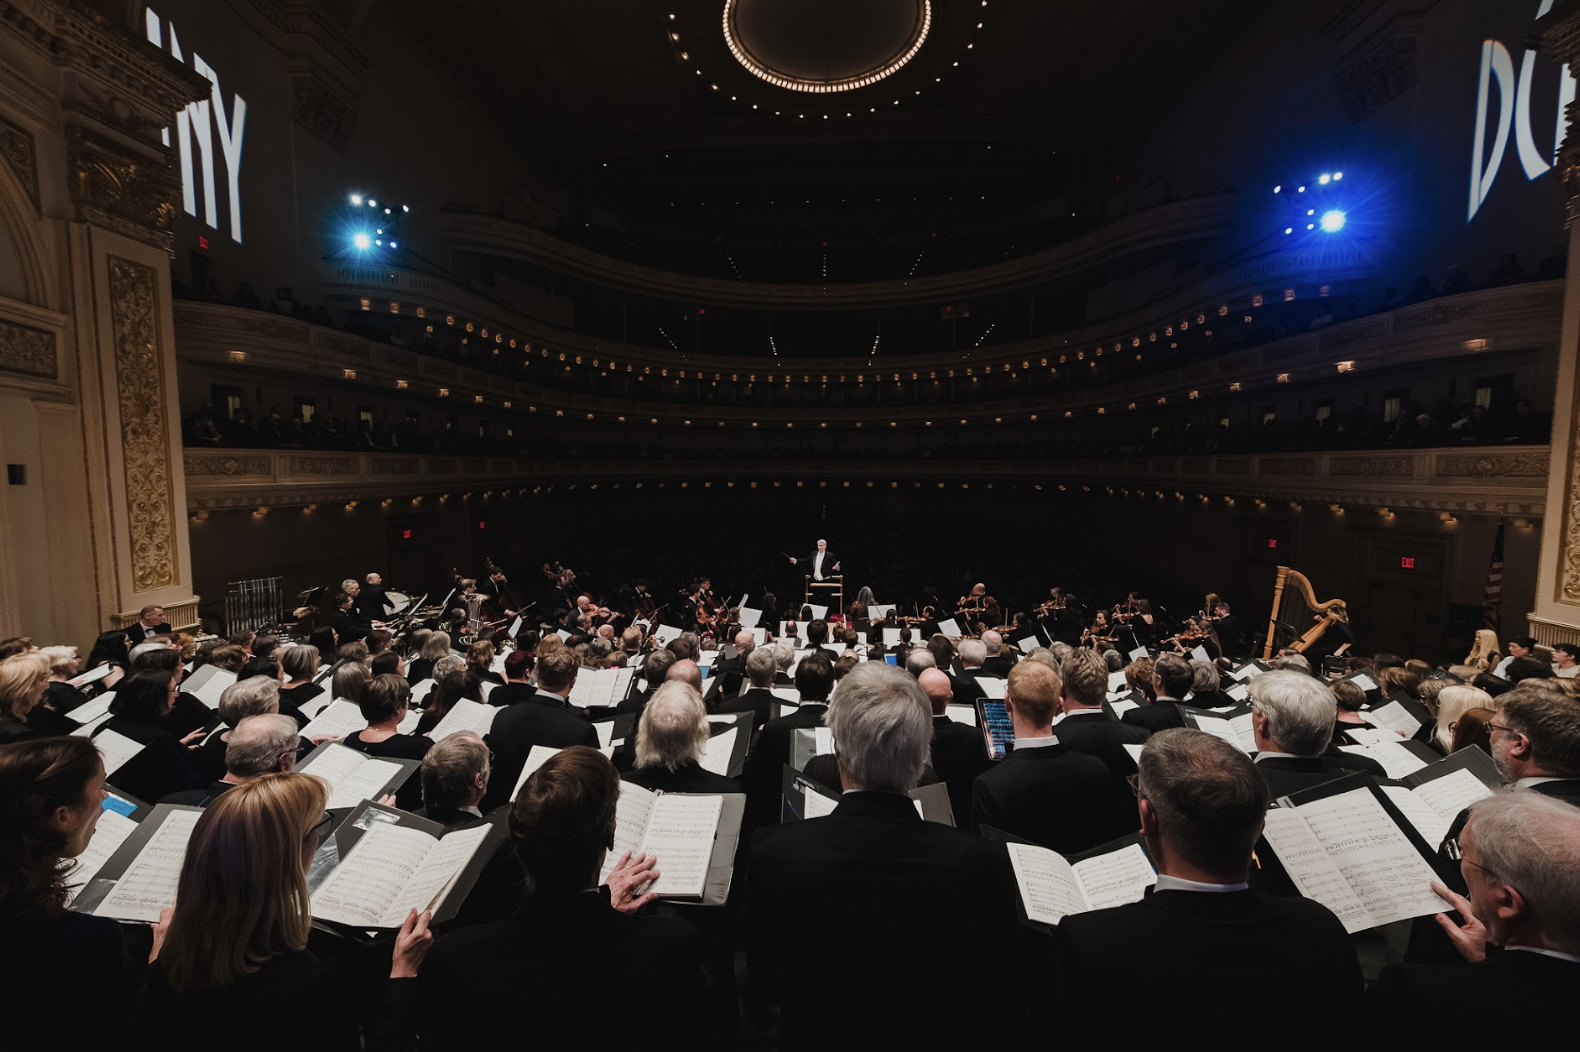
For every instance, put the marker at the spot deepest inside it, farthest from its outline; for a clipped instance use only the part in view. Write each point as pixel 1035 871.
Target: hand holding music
pixel 411 945
pixel 1469 938
pixel 628 877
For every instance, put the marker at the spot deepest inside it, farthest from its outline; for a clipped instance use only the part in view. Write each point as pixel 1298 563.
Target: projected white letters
pixel 1514 106
pixel 193 129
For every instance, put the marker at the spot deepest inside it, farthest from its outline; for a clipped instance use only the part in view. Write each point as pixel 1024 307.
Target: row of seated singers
pixel 576 960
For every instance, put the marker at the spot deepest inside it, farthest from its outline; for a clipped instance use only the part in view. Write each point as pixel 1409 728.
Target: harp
pixel 1298 618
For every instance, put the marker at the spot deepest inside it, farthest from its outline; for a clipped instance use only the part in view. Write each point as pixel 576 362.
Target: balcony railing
pixel 1509 481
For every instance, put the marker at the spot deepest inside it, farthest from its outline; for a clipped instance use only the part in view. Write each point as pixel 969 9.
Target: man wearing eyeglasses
pixel 1520 862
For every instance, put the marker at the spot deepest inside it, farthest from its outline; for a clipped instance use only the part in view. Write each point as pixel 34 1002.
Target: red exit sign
pixel 1272 542
pixel 405 535
pixel 1407 562
pixel 481 524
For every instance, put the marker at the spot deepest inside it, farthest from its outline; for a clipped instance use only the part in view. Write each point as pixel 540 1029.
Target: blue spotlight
pixel 1333 221
pixel 361 241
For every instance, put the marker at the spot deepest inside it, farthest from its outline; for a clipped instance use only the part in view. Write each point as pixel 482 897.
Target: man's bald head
pixel 745 641
pixel 936 685
pixel 686 671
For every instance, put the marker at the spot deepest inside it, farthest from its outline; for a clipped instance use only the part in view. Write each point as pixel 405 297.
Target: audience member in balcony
pixel 1420 292
pixel 199 429
pixel 270 432
pixel 244 296
pixel 1507 272
pixel 238 430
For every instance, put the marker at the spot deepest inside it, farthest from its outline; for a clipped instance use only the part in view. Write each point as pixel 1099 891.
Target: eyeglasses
pixel 1492 727
pixel 1134 781
pixel 321 826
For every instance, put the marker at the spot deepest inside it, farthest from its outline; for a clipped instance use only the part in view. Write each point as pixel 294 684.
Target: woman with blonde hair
pixel 24 679
pixel 1452 703
pixel 436 646
pixel 1484 652
pixel 236 948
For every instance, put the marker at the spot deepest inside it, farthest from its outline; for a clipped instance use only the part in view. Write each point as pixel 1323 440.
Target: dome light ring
pixel 823 87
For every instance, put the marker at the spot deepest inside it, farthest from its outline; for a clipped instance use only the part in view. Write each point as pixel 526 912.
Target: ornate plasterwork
pixel 1287 466
pixel 1402 467
pixel 1493 465
pixel 114 187
pixel 393 465
pixel 225 466
pixel 258 323
pixel 21 153
pixel 1379 73
pixel 145 434
pixel 321 465
pixel 322 104
pixel 26 350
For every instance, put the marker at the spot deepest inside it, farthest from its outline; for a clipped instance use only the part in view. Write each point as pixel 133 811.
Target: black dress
pixel 164 766
pixel 396 747
pixel 47 966
pixel 191 1019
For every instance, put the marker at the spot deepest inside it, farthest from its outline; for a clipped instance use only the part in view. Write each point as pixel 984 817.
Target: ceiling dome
pixel 825 45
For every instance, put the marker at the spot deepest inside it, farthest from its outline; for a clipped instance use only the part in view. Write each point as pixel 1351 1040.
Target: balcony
pixel 1505 481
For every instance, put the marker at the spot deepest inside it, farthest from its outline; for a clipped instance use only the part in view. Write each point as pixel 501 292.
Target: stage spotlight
pixel 1337 176
pixel 1278 189
pixel 372 203
pixel 361 242
pixel 393 245
pixel 1333 221
pixel 356 199
pixel 1289 230
pixel 1324 179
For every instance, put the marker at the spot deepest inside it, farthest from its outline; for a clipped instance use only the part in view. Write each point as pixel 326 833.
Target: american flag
pixel 1492 598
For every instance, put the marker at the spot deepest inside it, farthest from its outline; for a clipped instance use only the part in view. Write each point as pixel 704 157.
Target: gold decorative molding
pixel 1493 465
pixel 26 350
pixel 241 465
pixel 21 153
pixel 181 616
pixel 145 435
pixel 321 465
pixel 1391 467
pixel 1287 466
pixel 393 465
pixel 120 189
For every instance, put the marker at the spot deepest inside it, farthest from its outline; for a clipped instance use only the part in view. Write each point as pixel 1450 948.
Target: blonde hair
pixel 60 658
pixel 243 897
pixel 1452 703
pixel 20 676
pixel 1484 651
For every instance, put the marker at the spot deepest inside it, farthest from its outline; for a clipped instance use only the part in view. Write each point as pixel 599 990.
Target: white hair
pixel 673 728
pixel 972 652
pixel 1532 843
pixel 1300 711
pixel 883 727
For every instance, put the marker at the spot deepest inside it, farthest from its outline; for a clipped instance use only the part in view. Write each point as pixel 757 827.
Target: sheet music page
pixel 1116 681
pixel 630 825
pixel 210 691
pixel 1396 760
pixel 1218 727
pixel 949 627
pixel 1123 706
pixel 819 613
pixel 817 805
pixel 663 635
pixel 465 715
pixel 1314 873
pixel 1199 653
pixel 1367 735
pixel 434 878
pixel 718 750
pixel 706 658
pixel 879 611
pixel 408 723
pixel 919 812
pixel 1245 737
pixel 535 759
pixel 680 831
pixel 1239 692
pixel 364 889
pixel 365 783
pixel 1028 644
pixel 1138 653
pixel 314 706
pixel 825 741
pixel 93 675
pixel 87 729
pixel 593 689
pixel 605 731
pixel 749 618
pixel 1117 878
pixel 1432 826
pixel 759 635
pixel 1363 681
pixel 420 692
pixel 149 883
pixel 1393 716
pixel 1049 888
pixel 1376 859
pixel 497 666
pixel 966 714
pixel 89 711
pixel 789 694
pixel 1450 795
pixel 992 686
pixel 1247 671
pixel 339 719
pixel 891 637
pixel 116 749
pixel 836 649
pixel 108 836
pixel 1135 751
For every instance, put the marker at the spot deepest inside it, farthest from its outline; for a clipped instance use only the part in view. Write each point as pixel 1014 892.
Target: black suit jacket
pixel 1240 939
pixel 1291 774
pixel 135 634
pixel 875 868
pixel 959 755
pixel 998 666
pixel 728 674
pixel 1094 734
pixel 1405 994
pixel 370 602
pixel 1158 716
pixel 759 701
pixel 965 689
pixel 163 767
pixel 349 626
pixel 1049 795
pixel 540 720
pixel 535 968
pixel 687 778
pixel 830 560
pixel 765 765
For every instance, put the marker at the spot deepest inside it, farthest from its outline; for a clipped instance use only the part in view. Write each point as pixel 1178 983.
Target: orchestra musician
pixel 971 604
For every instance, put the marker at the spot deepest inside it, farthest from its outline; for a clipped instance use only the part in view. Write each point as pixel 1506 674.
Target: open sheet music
pixel 93 712
pixel 208 683
pixel 678 829
pixel 1433 797
pixel 465 715
pixel 535 759
pixel 601 688
pixel 116 749
pixel 393 869
pixel 354 776
pixel 1394 717
pixel 719 751
pixel 108 836
pixel 1233 726
pixel 1051 888
pixel 992 687
pixel 1397 760
pixel 1347 852
pixel 148 882
pixel 339 719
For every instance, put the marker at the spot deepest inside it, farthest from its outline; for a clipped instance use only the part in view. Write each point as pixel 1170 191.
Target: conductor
pixel 822 562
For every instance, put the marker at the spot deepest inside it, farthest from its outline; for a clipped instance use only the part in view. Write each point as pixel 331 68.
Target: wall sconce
pixel 1522 524
pixel 236 356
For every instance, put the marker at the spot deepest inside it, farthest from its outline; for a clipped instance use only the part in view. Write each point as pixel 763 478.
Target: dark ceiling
pixel 637 107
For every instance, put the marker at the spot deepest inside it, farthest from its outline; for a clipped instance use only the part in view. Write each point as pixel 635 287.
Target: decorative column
pixel 111 503
pixel 1557 614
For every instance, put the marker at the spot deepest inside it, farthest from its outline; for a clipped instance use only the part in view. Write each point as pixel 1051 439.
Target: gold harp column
pixel 116 92
pixel 1557 614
